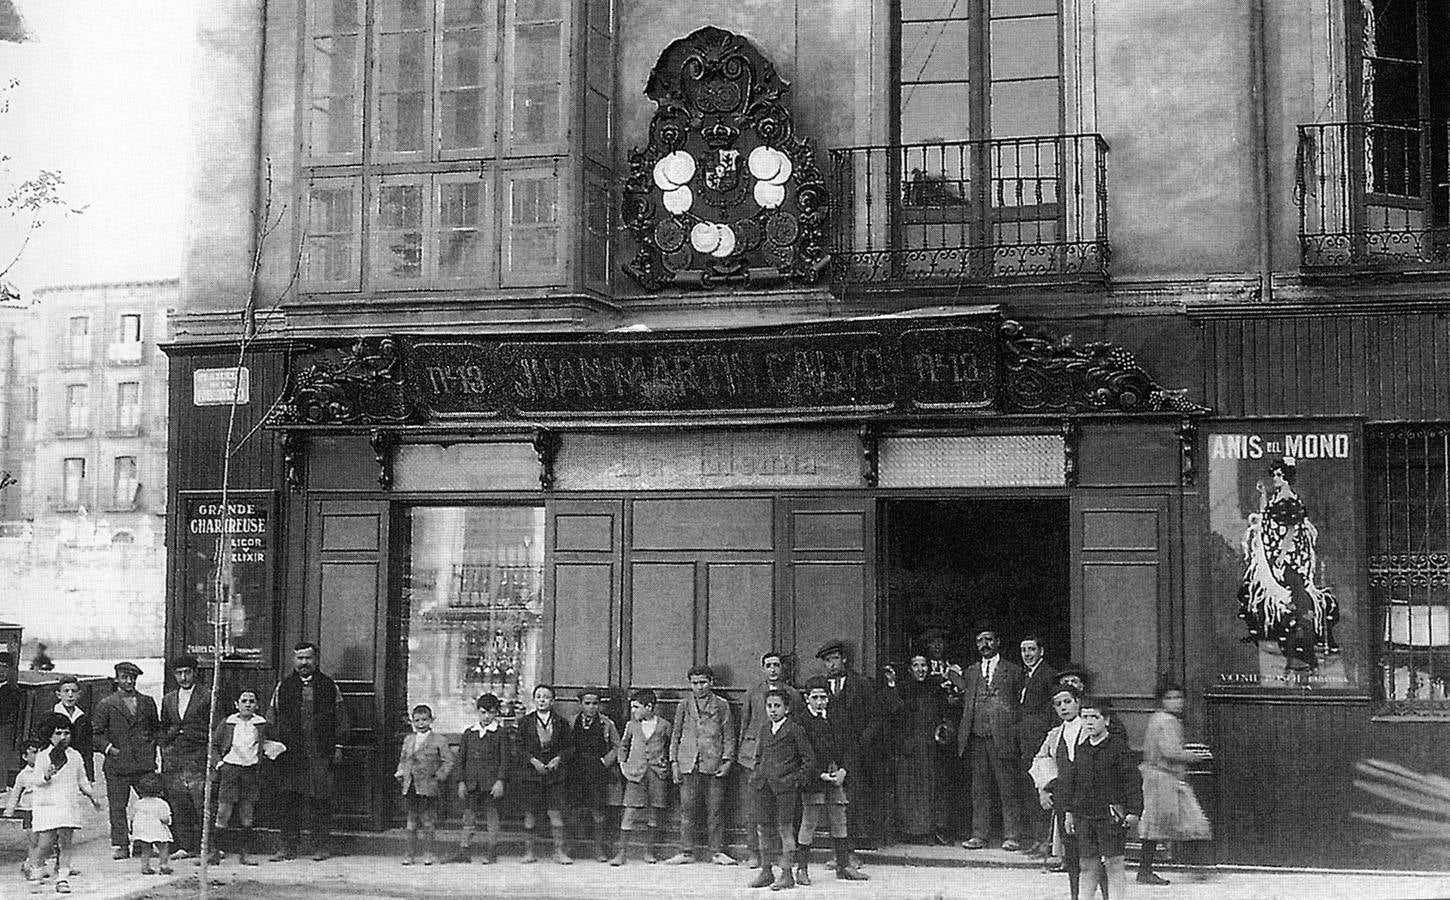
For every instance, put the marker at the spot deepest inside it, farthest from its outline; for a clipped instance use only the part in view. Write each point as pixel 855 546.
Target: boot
pixel 560 855
pixel 529 856
pixel 650 836
pixel 803 865
pixel 411 852
pixel 783 879
pixel 429 857
pixel 766 877
pixel 601 852
pixel 1146 874
pixel 844 870
pixel 246 851
pixel 464 854
pixel 621 854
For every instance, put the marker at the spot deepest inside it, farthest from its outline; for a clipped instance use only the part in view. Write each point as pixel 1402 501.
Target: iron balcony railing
pixel 1026 209
pixel 1373 195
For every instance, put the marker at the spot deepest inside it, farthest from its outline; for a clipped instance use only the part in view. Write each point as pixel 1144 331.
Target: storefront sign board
pixel 244 533
pixel 704 460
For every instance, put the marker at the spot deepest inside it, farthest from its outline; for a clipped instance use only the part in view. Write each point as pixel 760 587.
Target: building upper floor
pixel 450 160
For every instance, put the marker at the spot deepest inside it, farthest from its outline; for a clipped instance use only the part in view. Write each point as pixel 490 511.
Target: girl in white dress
pixel 56 812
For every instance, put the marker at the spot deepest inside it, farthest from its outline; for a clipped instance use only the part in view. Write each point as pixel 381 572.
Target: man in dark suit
pixel 987 739
pixel 126 728
pixel 860 712
pixel 185 717
pixel 1035 718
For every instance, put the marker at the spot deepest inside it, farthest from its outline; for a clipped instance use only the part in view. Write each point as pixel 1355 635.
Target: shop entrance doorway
pixel 966 563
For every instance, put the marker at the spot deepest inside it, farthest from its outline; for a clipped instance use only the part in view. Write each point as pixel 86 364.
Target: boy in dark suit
pixel 595 751
pixel 544 738
pixel 1101 796
pixel 785 762
pixel 826 792
pixel 484 760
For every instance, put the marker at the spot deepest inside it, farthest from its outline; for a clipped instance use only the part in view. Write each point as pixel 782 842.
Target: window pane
pixel 535 100
pixel 935 112
pixel 467 12
pixel 474 592
pixel 533 230
pixel 597 218
pixel 128 404
pixel 332 234
pixel 596 125
pixel 934 9
pixel 77 405
pixel 129 331
pixel 399 240
pixel 1391 28
pixel 73 478
pixel 1022 108
pixel 404 79
pixel 463 88
pixel 935 51
pixel 537 10
pixel 335 124
pixel 461 217
pixel 1003 8
pixel 1024 48
pixel 536 113
pixel 334 15
pixel 123 486
pixel 599 15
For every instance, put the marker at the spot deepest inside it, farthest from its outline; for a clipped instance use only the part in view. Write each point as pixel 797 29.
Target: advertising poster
pixel 242 598
pixel 1285 555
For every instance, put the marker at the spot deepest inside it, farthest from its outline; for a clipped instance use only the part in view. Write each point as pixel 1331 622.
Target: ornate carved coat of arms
pixel 725 193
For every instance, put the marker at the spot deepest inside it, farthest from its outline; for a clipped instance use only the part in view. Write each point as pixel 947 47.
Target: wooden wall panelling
pixel 832 546
pixel 584 574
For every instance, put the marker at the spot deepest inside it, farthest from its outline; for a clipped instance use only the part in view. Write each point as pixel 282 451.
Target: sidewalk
pixel 372 874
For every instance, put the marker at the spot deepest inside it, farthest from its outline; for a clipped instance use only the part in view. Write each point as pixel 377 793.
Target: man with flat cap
pixel 126 726
pixel 860 713
pixel 185 717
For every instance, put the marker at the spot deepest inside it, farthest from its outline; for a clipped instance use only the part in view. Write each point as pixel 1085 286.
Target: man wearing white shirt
pixel 987 739
pixel 185 714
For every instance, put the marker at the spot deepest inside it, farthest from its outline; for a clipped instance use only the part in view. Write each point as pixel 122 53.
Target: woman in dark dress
pixel 918 771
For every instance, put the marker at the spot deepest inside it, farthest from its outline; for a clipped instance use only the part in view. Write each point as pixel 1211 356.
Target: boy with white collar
pixel 241 741
pixel 483 764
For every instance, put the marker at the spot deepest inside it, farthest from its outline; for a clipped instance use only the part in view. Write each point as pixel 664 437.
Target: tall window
pixel 78 348
pixel 1409 535
pixel 474 595
pixel 128 405
pixel 466 107
pixel 73 481
pixel 128 329
pixel 123 482
pixel 77 407
pixel 978 103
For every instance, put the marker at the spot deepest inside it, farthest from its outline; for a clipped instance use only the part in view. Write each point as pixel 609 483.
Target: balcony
pixel 1010 211
pixel 124 353
pixel 1373 196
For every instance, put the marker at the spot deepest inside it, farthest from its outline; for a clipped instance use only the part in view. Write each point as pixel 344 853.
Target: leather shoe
pixel 1011 845
pixel 722 858
pixel 765 879
pixel 1151 878
pixel 679 859
pixel 975 843
pixel 783 880
pixel 119 853
pixel 851 873
pixel 753 862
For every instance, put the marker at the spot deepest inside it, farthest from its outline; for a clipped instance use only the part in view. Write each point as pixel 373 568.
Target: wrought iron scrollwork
pixel 365 387
pixel 725 192
pixel 1043 374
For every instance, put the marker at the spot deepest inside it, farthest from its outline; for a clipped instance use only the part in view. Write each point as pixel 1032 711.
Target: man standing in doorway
pixel 753 718
pixel 310 719
pixel 987 739
pixel 126 728
pixel 1035 718
pixel 859 711
pixel 185 715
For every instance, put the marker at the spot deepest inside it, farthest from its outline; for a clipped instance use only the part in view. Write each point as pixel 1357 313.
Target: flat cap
pixel 1074 669
pixel 816 681
pixel 830 647
pixel 184 661
pixel 127 667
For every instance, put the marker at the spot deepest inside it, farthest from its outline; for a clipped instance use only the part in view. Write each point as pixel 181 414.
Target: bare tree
pixel 28 202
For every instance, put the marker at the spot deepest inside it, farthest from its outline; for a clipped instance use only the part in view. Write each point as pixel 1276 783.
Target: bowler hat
pixel 127 668
pixel 830 647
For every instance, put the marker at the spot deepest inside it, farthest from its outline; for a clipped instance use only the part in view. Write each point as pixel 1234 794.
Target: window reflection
pixel 474 594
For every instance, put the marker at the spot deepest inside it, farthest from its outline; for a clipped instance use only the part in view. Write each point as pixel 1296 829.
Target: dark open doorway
pixel 962 564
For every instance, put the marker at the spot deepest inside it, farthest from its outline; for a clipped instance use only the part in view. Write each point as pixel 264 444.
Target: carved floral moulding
pixel 725 193
pixel 976 365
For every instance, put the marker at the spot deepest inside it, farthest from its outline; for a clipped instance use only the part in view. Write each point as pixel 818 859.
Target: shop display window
pixel 474 600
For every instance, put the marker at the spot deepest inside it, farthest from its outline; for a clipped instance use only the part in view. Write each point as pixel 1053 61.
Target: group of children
pixel 49 790
pixel 798 778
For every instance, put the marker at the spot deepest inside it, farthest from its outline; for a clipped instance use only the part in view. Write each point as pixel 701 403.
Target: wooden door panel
pixel 662 624
pixel 740 598
pixel 584 585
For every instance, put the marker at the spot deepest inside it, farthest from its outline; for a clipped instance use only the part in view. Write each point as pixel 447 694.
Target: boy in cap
pixel 859 711
pixel 126 728
pixel 825 792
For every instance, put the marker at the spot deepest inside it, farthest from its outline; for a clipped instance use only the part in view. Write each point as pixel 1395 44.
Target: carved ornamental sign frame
pixel 725 193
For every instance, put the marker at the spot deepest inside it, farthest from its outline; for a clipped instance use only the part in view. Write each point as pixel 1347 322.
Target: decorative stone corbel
pixel 1071 439
pixel 546 447
pixel 1187 450
pixel 292 449
pixel 382 444
pixel 870 437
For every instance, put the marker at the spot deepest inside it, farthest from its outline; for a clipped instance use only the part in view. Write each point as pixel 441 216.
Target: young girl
pixel 20 797
pixel 151 824
pixel 240 742
pixel 55 805
pixel 1170 811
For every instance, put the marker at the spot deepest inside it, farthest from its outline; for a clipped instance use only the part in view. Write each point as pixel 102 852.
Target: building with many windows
pixel 591 339
pixel 83 404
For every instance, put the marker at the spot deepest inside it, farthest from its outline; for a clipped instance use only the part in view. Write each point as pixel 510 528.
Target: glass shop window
pixel 474 596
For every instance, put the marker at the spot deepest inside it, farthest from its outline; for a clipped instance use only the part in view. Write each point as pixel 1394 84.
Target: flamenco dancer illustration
pixel 1279 600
